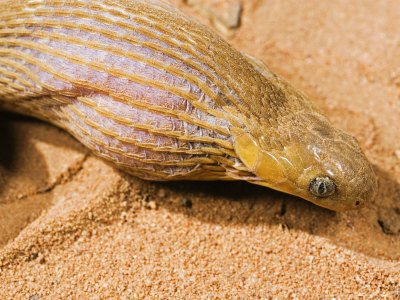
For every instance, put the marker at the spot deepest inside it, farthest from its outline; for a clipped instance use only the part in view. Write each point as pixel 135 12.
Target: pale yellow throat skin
pixel 162 97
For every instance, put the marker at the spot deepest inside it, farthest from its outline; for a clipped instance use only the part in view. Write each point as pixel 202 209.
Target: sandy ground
pixel 73 226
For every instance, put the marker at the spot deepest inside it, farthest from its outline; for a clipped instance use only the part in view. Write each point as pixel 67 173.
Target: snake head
pixel 336 174
pixel 314 161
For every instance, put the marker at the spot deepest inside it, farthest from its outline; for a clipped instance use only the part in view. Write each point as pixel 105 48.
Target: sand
pixel 72 226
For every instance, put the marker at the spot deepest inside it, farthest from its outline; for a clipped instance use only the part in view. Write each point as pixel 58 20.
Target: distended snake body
pixel 162 97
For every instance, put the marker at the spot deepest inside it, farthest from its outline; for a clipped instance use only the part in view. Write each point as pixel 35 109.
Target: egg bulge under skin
pixel 164 98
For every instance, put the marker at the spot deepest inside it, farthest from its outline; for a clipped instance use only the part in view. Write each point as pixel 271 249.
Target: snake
pixel 162 97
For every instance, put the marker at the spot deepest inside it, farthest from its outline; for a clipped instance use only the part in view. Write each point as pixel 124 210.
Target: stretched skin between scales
pixel 164 98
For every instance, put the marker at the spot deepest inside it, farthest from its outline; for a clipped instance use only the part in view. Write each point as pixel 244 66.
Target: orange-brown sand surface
pixel 73 227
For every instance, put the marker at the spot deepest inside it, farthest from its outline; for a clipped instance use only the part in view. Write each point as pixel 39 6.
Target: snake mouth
pixel 284 186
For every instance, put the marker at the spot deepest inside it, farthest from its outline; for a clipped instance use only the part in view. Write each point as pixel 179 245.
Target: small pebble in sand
pixel 185 202
pixel 152 205
pixel 161 193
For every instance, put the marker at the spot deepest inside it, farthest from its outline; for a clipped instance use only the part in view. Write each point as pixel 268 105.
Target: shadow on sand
pixel 223 203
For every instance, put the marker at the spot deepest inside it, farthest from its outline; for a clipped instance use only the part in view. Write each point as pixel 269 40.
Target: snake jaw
pixel 273 168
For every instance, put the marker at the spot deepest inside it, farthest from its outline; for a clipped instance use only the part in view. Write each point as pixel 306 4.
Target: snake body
pixel 162 97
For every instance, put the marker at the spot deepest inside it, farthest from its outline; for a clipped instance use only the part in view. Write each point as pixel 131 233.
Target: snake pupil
pixel 321 188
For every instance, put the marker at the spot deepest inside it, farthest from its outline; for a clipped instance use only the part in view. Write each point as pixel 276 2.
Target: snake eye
pixel 322 187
